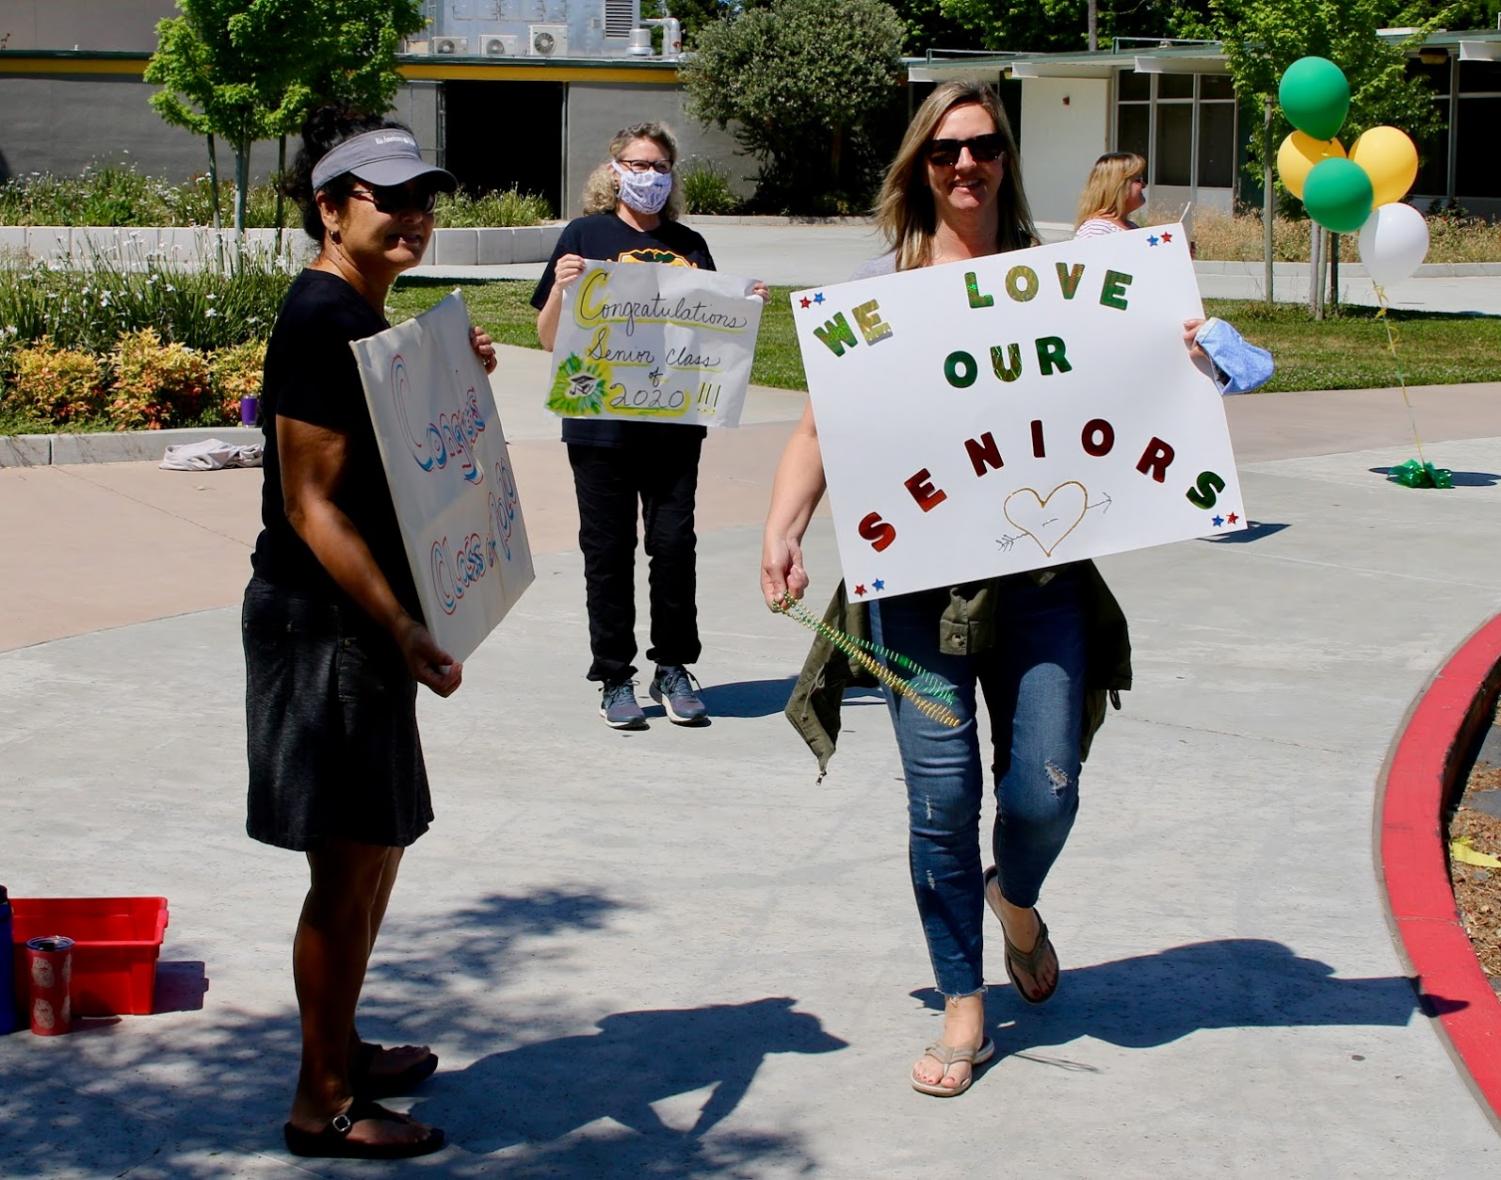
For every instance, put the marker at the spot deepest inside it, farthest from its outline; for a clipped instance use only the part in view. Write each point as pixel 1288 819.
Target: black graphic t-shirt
pixel 311 375
pixel 604 237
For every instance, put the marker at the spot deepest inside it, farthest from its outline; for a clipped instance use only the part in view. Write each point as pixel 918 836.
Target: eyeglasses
pixel 394 199
pixel 662 166
pixel 982 149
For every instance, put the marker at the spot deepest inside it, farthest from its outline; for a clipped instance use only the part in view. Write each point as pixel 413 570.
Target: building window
pixel 1477 114
pixel 1184 124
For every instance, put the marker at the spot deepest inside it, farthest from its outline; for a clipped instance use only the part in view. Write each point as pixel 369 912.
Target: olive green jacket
pixel 969 626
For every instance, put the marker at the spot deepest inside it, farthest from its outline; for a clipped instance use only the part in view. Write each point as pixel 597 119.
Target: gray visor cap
pixel 385 156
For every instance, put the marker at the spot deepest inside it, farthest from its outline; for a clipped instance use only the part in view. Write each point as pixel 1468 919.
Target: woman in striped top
pixel 1116 188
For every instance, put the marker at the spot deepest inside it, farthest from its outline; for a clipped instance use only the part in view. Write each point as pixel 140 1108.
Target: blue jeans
pixel 1033 681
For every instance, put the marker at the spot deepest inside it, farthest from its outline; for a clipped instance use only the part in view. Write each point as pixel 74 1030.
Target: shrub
pixel 52 384
pixel 119 195
pixel 236 374
pixel 706 188
pixel 205 309
pixel 806 84
pixel 503 207
pixel 155 384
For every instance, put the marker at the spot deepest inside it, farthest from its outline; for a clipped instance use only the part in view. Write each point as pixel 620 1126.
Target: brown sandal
pixel 947 1055
pixel 1019 960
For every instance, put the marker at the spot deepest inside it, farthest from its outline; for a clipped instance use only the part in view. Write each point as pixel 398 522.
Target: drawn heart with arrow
pixel 1048 519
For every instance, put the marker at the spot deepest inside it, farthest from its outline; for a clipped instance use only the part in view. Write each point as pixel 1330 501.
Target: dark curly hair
pixel 324 129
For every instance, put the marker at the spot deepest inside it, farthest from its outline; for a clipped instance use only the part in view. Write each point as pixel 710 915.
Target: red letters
pixel 877 531
pixel 927 496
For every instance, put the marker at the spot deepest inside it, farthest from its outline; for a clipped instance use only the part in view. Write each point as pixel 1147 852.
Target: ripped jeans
pixel 1033 682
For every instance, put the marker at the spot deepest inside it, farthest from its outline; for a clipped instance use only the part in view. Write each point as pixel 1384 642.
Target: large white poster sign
pixel 645 342
pixel 450 474
pixel 1015 411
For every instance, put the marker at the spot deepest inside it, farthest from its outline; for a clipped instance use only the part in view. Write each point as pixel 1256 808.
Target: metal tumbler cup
pixel 49 969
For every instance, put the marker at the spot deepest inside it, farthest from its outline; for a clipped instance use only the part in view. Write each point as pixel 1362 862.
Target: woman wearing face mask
pixel 631 205
pixel 1116 188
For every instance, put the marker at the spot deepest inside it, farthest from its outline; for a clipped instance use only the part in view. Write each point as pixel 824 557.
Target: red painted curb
pixel 1426 760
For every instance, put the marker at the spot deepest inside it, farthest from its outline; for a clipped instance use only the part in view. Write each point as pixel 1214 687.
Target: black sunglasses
pixel 982 148
pixel 393 199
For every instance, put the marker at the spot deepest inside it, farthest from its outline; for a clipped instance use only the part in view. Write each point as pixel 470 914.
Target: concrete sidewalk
pixel 673 953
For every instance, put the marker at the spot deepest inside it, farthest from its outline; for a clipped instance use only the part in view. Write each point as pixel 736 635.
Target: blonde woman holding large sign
pixel 1043 647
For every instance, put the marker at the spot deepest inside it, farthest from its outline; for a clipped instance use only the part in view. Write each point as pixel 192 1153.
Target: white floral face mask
pixel 645 192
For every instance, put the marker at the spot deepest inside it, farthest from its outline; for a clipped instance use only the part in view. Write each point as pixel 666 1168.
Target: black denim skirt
pixel 331 726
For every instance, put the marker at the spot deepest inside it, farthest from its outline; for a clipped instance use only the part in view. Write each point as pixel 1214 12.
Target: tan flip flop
pixel 1019 960
pixel 947 1055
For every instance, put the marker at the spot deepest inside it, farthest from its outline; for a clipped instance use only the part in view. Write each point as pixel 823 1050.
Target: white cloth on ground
pixel 210 454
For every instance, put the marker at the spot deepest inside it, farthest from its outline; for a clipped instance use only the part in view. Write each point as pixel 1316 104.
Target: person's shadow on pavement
pixel 1154 999
pixel 540 1092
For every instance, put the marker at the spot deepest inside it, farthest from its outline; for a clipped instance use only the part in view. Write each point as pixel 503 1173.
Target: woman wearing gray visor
pixel 335 644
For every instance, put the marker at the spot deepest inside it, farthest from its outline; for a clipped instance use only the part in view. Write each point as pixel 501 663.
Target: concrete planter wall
pixel 124 446
pixel 81 246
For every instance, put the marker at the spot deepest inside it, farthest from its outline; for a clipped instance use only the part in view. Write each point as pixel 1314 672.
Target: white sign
pixel 450 474
pixel 1016 411
pixel 644 342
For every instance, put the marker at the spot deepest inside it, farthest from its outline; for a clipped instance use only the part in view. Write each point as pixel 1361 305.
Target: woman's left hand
pixel 761 291
pixel 484 347
pixel 1190 330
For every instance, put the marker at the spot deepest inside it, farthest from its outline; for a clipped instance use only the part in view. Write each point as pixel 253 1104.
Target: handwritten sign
pixel 1015 412
pixel 645 342
pixel 450 474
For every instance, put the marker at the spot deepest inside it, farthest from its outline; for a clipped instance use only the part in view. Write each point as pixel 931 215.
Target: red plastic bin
pixel 116 944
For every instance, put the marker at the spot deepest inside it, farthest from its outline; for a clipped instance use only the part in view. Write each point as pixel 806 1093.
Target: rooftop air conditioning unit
pixel 450 46
pixel 499 46
pixel 548 40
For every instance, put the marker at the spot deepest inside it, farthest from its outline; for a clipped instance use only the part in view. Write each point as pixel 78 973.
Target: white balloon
pixel 1393 241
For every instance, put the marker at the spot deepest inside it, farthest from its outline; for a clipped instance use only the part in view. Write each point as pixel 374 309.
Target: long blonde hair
pixel 1109 186
pixel 602 190
pixel 904 209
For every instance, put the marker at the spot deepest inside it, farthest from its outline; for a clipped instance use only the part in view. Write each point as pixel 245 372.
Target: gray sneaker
pixel 617 705
pixel 673 688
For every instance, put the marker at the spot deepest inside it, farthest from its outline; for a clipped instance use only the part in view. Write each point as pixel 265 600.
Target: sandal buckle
pixel 341 1123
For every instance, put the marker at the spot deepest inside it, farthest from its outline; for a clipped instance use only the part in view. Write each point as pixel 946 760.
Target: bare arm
pixel 795 492
pixel 567 270
pixel 312 468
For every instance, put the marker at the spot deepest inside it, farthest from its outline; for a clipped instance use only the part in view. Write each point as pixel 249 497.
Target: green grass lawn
pixel 1346 352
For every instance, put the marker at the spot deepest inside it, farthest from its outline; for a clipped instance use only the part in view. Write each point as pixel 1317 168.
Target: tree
pixel 804 82
pixel 1261 38
pixel 1038 26
pixel 243 70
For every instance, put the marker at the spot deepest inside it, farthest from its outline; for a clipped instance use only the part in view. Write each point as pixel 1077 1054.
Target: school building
pixel 528 93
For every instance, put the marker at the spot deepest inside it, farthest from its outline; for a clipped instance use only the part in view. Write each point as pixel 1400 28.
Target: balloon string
pixel 931 695
pixel 1391 344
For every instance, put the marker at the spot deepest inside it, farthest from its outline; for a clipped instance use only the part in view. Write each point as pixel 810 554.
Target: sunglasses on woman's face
pixel 982 149
pixel 394 199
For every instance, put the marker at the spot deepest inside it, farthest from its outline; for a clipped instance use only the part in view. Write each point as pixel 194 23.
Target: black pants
pixel 609 481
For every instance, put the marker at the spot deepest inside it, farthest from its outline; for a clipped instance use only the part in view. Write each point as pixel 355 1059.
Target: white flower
pixel 211 313
pixel 212 296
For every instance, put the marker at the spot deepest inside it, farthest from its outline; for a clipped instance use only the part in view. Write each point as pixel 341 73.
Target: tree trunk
pixel 1316 270
pixel 1268 199
pixel 281 170
pixel 1094 41
pixel 1333 274
pixel 213 180
pixel 242 190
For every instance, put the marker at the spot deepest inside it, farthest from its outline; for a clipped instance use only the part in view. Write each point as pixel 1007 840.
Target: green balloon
pixel 1315 96
pixel 1338 194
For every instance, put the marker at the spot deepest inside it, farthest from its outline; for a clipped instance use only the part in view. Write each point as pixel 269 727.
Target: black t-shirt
pixel 311 375
pixel 604 237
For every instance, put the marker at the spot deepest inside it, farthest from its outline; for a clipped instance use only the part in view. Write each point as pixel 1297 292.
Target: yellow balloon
pixel 1389 159
pixel 1297 156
